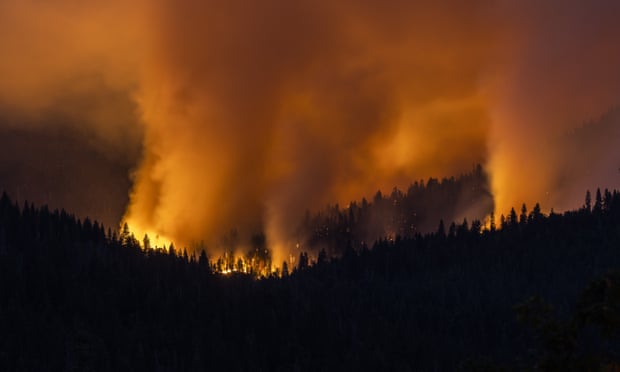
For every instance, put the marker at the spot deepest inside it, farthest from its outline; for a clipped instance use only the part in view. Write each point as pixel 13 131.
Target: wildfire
pixel 257 260
pixel 147 238
pixel 249 264
pixel 488 223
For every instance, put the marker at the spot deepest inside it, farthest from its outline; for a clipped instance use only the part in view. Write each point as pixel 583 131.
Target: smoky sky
pixel 69 132
pixel 246 114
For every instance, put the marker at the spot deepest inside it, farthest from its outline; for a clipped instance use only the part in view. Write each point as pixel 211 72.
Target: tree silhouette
pixel 77 296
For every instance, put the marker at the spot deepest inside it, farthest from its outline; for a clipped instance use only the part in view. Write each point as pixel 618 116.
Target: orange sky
pixel 251 112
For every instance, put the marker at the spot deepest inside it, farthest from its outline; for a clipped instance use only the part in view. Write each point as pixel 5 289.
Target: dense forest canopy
pixel 221 159
pixel 401 213
pixel 78 297
pixel 331 230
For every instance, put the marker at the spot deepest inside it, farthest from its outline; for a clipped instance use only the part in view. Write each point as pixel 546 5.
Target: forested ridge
pixel 332 229
pixel 535 291
pixel 403 213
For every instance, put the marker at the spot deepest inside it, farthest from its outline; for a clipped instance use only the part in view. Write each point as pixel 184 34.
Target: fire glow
pixel 254 112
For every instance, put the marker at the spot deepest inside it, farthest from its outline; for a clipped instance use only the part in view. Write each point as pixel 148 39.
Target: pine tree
pixel 536 213
pixel 441 230
pixel 512 219
pixel 146 243
pixel 171 251
pixel 523 215
pixel 598 203
pixel 303 261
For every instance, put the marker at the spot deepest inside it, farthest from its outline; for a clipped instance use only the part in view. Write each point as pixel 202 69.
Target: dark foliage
pixel 74 297
pixel 404 214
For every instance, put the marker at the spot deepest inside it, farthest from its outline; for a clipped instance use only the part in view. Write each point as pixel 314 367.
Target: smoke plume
pixel 69 133
pixel 249 113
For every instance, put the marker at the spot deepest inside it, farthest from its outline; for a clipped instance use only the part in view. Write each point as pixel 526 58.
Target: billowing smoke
pixel 250 113
pixel 69 133
pixel 561 73
pixel 256 111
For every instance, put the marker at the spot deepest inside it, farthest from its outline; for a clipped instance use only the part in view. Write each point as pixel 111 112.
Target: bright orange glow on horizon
pixel 250 113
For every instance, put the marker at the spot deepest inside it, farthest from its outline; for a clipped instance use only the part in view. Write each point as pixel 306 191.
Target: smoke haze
pixel 69 133
pixel 242 115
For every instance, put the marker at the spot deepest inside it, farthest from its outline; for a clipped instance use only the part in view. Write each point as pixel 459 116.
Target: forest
pixel 533 291
pixel 399 213
pixel 309 185
pixel 329 231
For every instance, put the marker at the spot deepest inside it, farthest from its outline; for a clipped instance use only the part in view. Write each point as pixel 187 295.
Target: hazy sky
pixel 243 114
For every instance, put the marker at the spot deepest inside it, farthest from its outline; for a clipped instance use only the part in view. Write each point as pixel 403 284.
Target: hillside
pixel 78 298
